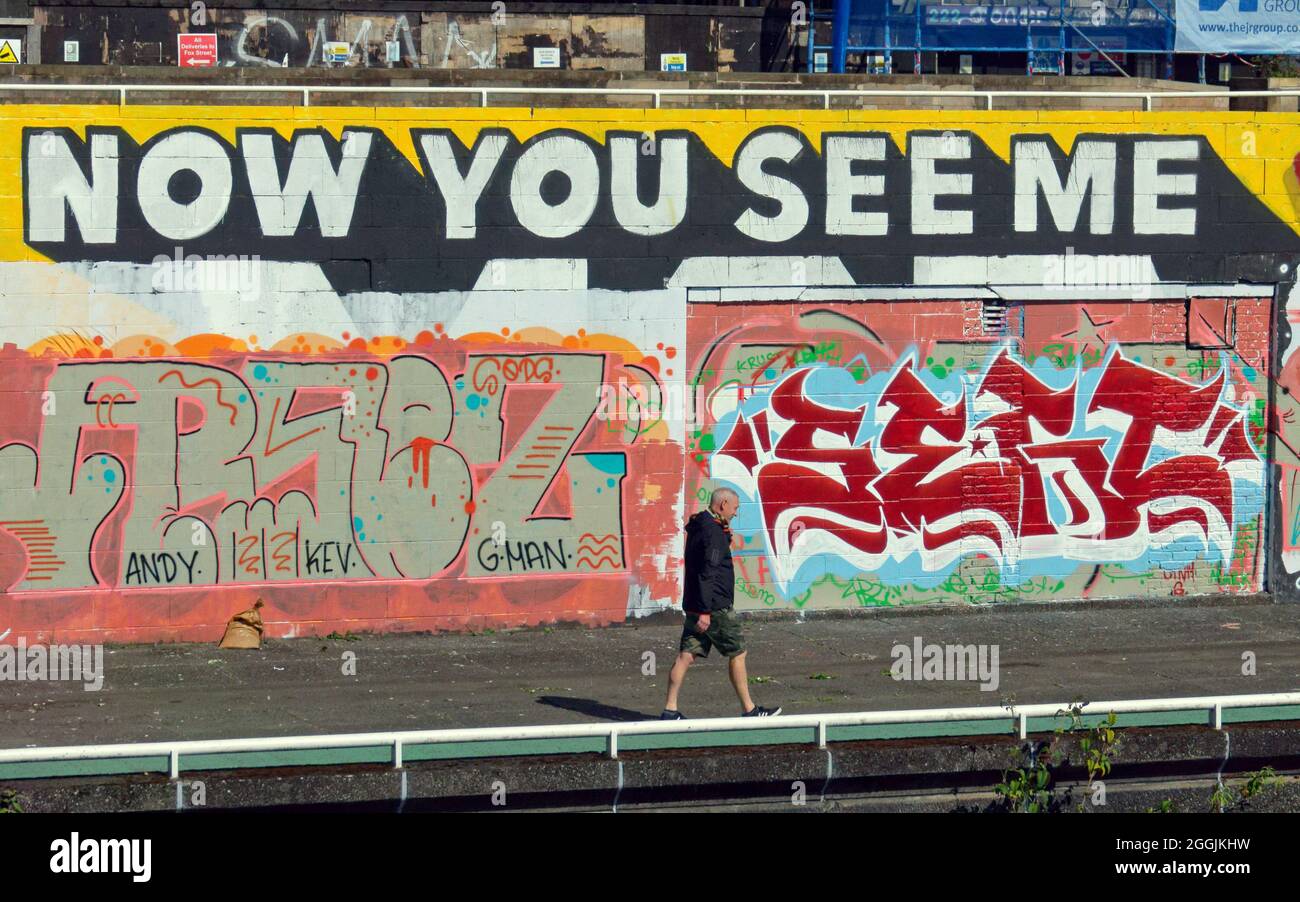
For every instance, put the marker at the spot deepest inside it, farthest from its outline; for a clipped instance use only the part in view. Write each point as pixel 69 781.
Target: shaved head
pixel 719 494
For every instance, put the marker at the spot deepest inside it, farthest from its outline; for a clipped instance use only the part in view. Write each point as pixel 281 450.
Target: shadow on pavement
pixel 593 708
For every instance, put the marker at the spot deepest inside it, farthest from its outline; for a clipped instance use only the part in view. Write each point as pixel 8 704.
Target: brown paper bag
pixel 244 629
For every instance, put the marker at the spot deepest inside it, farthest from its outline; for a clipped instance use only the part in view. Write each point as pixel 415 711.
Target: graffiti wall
pixel 450 369
pixel 907 457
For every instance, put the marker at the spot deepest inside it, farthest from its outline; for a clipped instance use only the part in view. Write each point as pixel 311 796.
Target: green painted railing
pixel 609 739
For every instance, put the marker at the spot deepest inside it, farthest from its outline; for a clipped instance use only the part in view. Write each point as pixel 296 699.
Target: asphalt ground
pixel 1047 653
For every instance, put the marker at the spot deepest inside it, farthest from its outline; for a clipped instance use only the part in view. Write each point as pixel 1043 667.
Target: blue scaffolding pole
pixel 840 36
pixel 916 54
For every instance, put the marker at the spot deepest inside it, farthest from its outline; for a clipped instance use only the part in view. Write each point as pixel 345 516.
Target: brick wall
pixel 402 369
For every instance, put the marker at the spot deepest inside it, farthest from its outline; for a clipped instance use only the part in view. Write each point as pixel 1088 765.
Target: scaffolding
pixel 1061 37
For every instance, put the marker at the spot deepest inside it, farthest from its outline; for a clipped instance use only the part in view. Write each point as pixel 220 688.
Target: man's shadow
pixel 593 708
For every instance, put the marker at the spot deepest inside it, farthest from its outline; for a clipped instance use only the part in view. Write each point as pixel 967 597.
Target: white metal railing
pixel 483 92
pixel 1016 716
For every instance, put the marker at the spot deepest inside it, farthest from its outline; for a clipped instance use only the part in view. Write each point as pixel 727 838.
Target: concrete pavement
pixel 1047 653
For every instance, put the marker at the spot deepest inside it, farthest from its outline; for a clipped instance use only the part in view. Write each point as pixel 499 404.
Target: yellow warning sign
pixel 11 52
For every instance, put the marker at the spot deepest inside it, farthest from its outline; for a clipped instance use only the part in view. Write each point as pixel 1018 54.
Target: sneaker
pixel 758 711
pixel 672 715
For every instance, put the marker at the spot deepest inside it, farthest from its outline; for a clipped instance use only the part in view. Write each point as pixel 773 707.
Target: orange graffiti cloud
pixel 66 344
pixel 204 345
pixel 208 344
pixel 307 343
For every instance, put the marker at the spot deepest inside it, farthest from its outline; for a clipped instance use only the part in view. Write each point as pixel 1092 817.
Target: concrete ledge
pixel 361 79
pixel 950 774
pixel 1266 104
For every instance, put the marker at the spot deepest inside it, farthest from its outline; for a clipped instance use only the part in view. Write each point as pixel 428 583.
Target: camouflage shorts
pixel 724 633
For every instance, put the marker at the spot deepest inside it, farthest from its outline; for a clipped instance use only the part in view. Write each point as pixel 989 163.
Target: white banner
pixel 1238 26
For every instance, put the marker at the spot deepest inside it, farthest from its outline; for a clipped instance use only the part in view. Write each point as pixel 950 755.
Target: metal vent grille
pixel 994 316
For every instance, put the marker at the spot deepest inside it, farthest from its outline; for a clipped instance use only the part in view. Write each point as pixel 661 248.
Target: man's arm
pixel 707 578
pixel 719 551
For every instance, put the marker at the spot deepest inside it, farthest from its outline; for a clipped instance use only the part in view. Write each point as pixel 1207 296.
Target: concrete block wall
pixel 405 369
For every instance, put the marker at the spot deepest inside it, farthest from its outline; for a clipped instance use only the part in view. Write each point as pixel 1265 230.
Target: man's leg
pixel 675 677
pixel 739 680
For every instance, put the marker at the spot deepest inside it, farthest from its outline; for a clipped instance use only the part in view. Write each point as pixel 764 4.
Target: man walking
pixel 708 599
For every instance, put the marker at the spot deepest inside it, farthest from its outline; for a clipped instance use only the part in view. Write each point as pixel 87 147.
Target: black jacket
pixel 710 578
